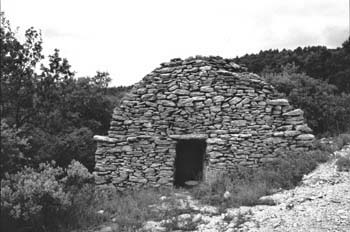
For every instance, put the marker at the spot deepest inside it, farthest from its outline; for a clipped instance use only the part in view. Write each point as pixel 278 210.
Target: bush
pixel 56 199
pixel 331 145
pixel 77 176
pixel 343 164
pixel 34 198
pixel 41 200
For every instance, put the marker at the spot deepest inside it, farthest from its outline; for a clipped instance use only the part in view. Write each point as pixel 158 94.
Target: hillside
pixel 330 65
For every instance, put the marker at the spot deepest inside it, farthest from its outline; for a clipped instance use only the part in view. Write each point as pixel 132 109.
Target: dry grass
pixel 127 210
pixel 247 186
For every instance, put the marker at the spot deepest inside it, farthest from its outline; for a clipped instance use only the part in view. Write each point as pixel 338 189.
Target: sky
pixel 130 38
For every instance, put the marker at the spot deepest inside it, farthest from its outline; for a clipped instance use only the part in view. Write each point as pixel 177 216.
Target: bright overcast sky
pixel 130 38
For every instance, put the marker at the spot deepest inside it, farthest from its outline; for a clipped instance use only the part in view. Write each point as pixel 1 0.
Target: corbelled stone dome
pixel 190 119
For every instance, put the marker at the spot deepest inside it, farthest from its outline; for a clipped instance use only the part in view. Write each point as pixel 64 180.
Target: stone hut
pixel 190 119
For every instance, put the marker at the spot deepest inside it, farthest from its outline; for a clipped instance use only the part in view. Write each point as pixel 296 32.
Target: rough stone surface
pixel 236 112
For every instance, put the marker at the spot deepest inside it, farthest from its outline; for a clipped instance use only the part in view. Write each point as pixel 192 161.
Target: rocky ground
pixel 320 203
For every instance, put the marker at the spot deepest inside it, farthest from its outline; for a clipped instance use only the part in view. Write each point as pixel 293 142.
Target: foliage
pixel 18 62
pixel 57 112
pixel 330 65
pixel 34 198
pixel 41 199
pixel 343 164
pixel 13 146
pixel 326 112
pixel 246 185
pixel 340 141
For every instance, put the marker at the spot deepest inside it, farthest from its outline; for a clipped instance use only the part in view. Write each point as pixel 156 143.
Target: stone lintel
pixel 189 136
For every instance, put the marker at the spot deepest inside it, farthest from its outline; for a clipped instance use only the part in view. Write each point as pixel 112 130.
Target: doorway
pixel 189 161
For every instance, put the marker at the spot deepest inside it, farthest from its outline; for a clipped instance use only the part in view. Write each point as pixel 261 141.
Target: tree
pixel 325 111
pixel 18 62
pixel 57 113
pixel 318 62
pixel 13 147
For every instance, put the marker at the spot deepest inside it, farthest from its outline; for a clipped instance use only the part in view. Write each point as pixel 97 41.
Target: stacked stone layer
pixel 236 112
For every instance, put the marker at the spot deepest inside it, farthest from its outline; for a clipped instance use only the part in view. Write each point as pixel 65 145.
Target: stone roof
pixel 217 66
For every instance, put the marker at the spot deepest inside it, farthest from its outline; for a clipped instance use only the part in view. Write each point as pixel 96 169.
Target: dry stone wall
pixel 238 114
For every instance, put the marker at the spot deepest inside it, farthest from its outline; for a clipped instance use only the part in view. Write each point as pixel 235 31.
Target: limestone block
pixel 206 89
pixel 239 123
pixel 215 154
pixel 181 92
pixel 278 102
pixel 216 141
pixel 185 102
pixel 303 128
pixel 148 97
pixel 279 133
pixel 291 133
pixel 106 139
pixel 167 103
pixel 218 99
pixel 305 137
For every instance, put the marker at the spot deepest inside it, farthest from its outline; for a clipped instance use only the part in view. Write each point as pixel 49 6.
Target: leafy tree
pixel 13 147
pixel 326 112
pixel 319 62
pixel 57 112
pixel 18 62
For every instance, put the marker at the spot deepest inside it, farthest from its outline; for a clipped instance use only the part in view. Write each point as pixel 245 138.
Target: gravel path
pixel 321 203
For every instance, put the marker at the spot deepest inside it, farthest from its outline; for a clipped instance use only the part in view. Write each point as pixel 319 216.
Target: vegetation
pixel 343 164
pixel 55 199
pixel 46 113
pixel 39 199
pixel 246 186
pixel 319 62
pixel 327 112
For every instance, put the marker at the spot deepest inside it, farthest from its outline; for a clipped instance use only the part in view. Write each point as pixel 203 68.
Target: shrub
pixel 343 164
pixel 34 198
pixel 331 145
pixel 290 167
pixel 77 175
pixel 42 199
pixel 341 140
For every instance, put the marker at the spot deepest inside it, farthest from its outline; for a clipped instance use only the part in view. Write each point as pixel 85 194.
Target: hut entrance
pixel 189 161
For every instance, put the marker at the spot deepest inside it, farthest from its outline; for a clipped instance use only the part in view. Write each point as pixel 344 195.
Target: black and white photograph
pixel 175 115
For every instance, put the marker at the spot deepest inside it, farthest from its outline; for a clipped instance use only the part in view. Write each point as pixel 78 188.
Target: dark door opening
pixel 189 161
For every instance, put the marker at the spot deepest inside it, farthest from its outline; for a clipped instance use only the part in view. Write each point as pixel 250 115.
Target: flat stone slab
pixel 305 137
pixel 189 136
pixel 106 139
pixel 296 112
pixel 276 102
